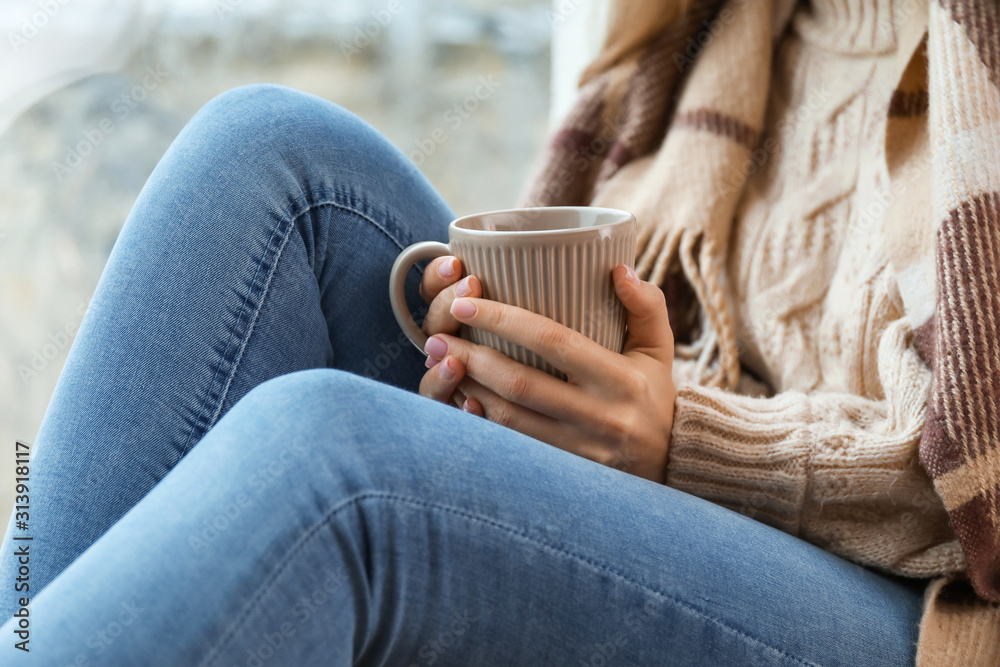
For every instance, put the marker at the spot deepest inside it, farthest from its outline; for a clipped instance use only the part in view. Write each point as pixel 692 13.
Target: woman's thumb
pixel 648 324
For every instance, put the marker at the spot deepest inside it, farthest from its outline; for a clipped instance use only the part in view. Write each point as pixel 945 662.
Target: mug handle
pixel 397 285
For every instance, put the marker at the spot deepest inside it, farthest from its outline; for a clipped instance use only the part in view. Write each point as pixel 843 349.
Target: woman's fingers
pixel 485 403
pixel 472 405
pixel 648 323
pixel 441 379
pixel 501 411
pixel 515 382
pixel 575 354
pixel 440 273
pixel 579 357
pixel 439 318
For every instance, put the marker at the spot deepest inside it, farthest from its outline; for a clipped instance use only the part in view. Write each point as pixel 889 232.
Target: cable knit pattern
pixel 832 456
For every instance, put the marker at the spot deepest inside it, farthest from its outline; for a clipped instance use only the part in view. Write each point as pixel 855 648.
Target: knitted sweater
pixel 820 436
pixel 832 454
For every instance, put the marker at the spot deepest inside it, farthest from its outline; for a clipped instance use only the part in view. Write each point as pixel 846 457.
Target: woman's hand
pixel 616 409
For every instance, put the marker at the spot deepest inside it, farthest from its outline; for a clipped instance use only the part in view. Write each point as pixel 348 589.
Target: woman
pixel 217 482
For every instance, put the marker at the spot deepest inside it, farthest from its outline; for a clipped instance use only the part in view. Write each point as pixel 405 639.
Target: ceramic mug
pixel 555 261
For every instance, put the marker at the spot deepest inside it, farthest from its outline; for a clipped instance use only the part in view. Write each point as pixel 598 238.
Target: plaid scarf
pixel 709 72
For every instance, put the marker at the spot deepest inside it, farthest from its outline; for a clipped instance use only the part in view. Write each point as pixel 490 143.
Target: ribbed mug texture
pixel 568 280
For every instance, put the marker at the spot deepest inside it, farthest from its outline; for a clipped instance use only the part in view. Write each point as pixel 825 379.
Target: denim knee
pixel 300 147
pixel 264 125
pixel 314 387
pixel 321 405
pixel 336 435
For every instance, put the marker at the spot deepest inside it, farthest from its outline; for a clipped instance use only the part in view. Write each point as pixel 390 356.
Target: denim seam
pixel 234 366
pixel 370 220
pixel 350 207
pixel 220 395
pixel 346 200
pixel 265 587
pixel 285 234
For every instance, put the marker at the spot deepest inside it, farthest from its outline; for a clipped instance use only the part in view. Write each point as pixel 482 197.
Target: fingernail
pixel 464 287
pixel 463 308
pixel 467 407
pixel 631 275
pixel 445 371
pixel 436 347
pixel 430 362
pixel 446 269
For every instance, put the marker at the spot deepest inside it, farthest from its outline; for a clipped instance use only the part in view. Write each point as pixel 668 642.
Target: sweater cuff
pixel 748 454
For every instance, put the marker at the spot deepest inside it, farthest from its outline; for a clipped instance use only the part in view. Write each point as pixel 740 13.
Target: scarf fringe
pixel 715 350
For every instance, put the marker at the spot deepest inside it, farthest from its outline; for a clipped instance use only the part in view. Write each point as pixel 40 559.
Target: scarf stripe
pixel 961 444
pixel 718 123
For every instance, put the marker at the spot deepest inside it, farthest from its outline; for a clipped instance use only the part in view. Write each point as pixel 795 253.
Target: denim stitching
pixel 220 396
pixel 265 587
pixel 348 201
pixel 234 365
pixel 267 284
pixel 372 221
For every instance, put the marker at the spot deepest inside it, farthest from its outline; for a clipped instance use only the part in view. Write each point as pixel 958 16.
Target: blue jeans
pixel 235 470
